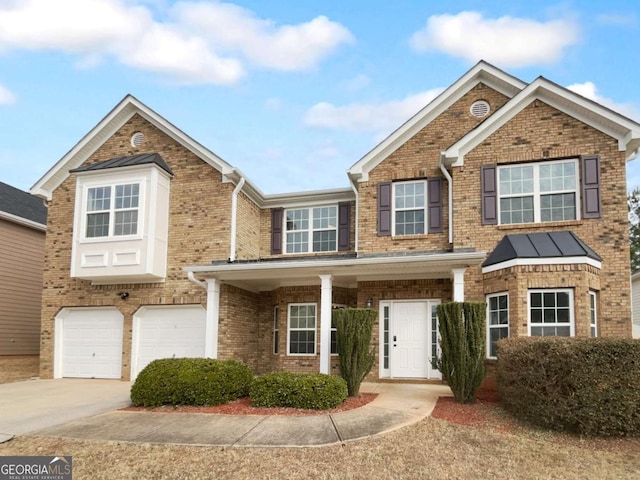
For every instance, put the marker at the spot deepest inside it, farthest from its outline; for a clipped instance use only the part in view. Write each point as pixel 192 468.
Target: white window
pixel 409 207
pixel 276 328
pixel 301 329
pixel 497 321
pixel 593 311
pixel 538 192
pixel 311 229
pixel 551 313
pixel 112 211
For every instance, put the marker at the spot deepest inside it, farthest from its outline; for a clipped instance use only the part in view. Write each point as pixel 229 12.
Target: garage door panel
pixel 91 343
pixel 168 332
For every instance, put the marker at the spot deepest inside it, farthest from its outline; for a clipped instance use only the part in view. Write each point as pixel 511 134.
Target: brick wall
pixel 198 233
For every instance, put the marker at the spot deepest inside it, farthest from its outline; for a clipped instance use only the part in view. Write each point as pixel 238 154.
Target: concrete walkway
pixel 397 405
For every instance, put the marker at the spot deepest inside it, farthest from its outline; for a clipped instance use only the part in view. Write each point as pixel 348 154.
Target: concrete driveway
pixel 37 404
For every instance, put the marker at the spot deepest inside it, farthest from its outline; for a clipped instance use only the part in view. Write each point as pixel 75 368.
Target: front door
pixel 410 335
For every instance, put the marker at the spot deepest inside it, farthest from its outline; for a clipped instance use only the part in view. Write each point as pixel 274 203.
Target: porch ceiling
pixel 268 275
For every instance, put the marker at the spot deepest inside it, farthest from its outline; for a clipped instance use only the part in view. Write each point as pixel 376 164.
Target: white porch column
pixel 458 284
pixel 325 323
pixel 212 316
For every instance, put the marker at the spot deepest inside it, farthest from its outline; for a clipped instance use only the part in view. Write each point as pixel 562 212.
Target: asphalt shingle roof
pixel 540 245
pixel 22 204
pixel 141 159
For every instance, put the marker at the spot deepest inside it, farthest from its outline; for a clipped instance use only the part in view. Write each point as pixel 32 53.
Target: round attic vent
pixel 137 139
pixel 480 108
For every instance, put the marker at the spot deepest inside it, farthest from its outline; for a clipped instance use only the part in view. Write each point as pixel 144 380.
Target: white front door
pixel 409 339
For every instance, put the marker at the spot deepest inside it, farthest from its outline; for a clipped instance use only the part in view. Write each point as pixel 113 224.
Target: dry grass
pixel 433 449
pixel 18 368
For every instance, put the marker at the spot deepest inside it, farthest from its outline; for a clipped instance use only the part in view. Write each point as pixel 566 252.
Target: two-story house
pixel 497 191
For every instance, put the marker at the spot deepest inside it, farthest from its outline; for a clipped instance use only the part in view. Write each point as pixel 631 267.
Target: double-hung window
pixel 409 207
pixel 551 313
pixel 593 313
pixel 276 329
pixel 538 192
pixel 311 229
pixel 497 321
pixel 302 329
pixel 112 211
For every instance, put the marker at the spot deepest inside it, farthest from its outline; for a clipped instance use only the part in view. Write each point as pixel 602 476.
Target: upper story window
pixel 409 207
pixel 540 192
pixel 311 229
pixel 112 210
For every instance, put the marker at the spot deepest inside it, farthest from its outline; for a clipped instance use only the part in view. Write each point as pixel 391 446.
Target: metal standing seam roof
pixel 141 159
pixel 540 245
pixel 22 204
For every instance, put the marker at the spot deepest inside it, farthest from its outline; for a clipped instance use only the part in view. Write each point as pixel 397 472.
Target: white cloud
pixel 617 19
pixel 286 47
pixel 358 82
pixel 590 91
pixel 506 41
pixel 194 43
pixel 6 96
pixel 374 117
pixel 273 104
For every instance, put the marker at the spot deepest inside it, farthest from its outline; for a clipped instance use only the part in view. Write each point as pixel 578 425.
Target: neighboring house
pixel 635 303
pixel 23 219
pixel 497 191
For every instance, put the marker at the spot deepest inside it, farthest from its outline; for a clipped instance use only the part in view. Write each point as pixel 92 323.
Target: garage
pixel 88 343
pixel 167 332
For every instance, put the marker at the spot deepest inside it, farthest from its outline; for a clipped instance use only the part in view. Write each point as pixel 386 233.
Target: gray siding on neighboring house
pixel 21 269
pixel 635 303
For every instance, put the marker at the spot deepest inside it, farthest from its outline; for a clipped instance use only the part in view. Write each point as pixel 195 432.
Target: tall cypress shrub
pixel 353 328
pixel 462 342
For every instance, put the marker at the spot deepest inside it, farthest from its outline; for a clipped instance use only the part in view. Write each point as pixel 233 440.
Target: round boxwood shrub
pixel 190 381
pixel 298 390
pixel 587 386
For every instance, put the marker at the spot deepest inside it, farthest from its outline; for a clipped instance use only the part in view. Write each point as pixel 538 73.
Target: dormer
pixel 121 220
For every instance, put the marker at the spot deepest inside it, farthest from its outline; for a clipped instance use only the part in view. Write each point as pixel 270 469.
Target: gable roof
pixel 130 161
pixel 482 72
pixel 110 124
pixel 623 129
pixel 20 207
pixel 537 246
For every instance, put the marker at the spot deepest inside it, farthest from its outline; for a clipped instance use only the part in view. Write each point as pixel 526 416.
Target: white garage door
pixel 167 332
pixel 90 343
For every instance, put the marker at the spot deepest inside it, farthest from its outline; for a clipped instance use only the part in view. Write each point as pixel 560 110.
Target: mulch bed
pixel 243 406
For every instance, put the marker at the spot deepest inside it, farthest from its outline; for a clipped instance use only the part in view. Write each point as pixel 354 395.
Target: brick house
pixel 497 191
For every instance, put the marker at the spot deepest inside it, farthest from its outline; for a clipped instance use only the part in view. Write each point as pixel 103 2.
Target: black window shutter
pixel 434 192
pixel 489 195
pixel 276 230
pixel 384 209
pixel 591 205
pixel 344 225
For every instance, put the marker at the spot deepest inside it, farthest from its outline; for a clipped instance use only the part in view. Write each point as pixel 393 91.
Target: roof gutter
pixel 192 278
pixel 234 218
pixel 447 175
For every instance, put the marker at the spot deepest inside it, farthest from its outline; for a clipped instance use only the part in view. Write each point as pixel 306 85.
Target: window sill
pixel 122 238
pixel 529 226
pixel 421 236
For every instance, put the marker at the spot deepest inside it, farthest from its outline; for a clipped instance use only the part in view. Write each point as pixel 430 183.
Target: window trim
pixel 489 326
pixel 334 306
pixel 314 329
pixel 394 209
pixel 537 194
pixel 84 210
pixel 276 329
pixel 572 319
pixel 593 313
pixel 310 230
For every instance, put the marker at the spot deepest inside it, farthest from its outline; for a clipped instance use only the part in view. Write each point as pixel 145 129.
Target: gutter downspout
pixel 447 175
pixel 234 218
pixel 192 278
pixel 355 190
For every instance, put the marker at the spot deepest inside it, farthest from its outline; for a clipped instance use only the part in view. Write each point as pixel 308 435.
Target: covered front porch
pixel 276 314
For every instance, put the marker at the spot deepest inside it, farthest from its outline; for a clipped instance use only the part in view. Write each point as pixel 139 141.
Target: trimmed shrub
pixel 462 343
pixel 588 386
pixel 298 390
pixel 355 352
pixel 190 381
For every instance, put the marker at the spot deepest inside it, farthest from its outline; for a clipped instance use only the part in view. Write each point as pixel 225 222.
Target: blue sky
pixel 290 92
